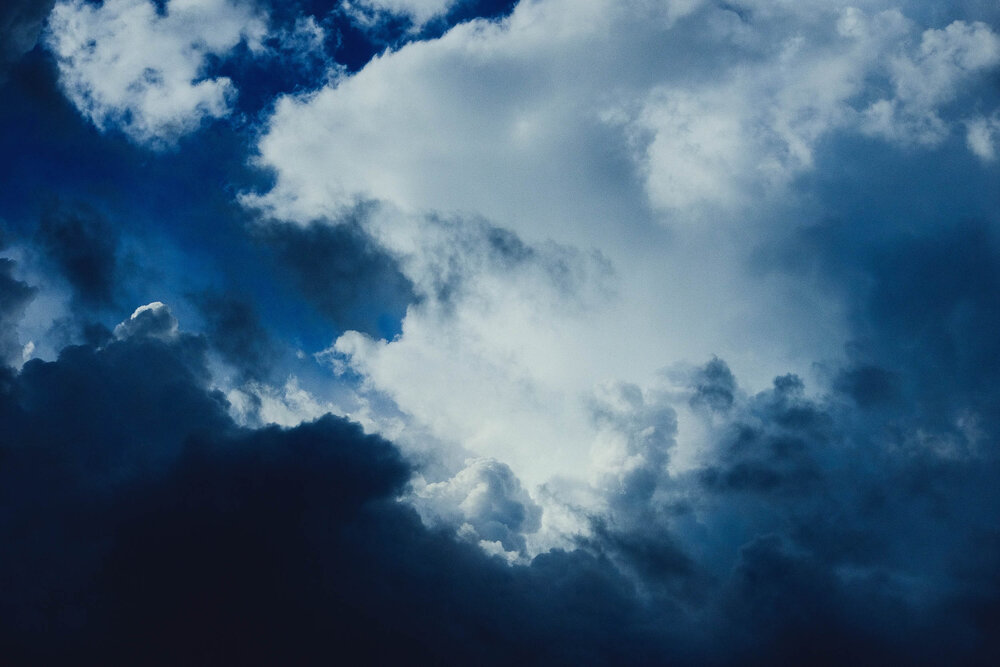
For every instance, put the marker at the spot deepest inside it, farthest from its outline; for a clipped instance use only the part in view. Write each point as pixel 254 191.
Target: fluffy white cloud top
pixel 577 193
pixel 125 65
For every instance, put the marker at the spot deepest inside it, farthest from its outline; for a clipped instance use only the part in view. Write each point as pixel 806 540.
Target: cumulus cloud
pixel 643 177
pixel 125 65
pixel 696 365
pixel 154 320
pixel 486 500
pixel 983 136
pixel 554 85
pixel 928 79
pixel 145 513
pixel 580 195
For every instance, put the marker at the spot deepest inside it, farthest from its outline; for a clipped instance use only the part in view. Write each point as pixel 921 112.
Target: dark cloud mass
pixel 343 273
pixel 236 331
pixel 84 248
pixel 142 526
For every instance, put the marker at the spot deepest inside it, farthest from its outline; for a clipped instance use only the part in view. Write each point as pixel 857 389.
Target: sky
pixel 498 332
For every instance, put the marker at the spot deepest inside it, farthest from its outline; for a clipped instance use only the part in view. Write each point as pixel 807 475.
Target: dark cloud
pixel 921 302
pixel 868 385
pixel 15 295
pixel 465 10
pixel 20 24
pixel 83 246
pixel 343 273
pixel 236 332
pixel 714 386
pixel 850 520
pixel 141 525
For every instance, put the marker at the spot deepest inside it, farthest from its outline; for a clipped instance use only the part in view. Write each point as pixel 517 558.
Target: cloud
pixel 488 503
pixel 347 276
pixel 983 135
pixel 237 333
pixel 134 506
pixel 547 86
pixel 927 80
pixel 127 66
pixel 143 512
pixel 154 320
pixel 15 295
pixel 640 176
pixel 84 248
pixel 693 366
pixel 419 11
pixel 20 24
pixel 579 196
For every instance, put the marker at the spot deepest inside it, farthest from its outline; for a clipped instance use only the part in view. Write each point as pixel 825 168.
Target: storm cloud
pixel 548 332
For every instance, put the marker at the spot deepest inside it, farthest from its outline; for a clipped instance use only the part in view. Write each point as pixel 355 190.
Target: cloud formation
pixel 648 180
pixel 348 277
pixel 668 329
pixel 127 65
pixel 144 525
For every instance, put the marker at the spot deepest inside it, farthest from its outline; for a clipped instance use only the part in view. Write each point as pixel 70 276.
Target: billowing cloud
pixel 545 94
pixel 153 320
pixel 144 525
pixel 928 79
pixel 593 333
pixel 486 500
pixel 126 65
pixel 635 160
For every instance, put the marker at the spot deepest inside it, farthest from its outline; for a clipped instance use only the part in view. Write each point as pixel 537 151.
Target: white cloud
pixel 930 77
pixel 154 320
pixel 258 403
pixel 487 499
pixel 419 11
pixel 125 66
pixel 639 152
pixel 983 135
